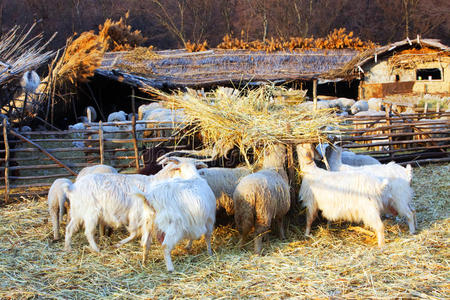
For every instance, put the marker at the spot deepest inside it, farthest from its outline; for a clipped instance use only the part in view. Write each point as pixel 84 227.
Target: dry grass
pixel 136 61
pixel 341 261
pixel 119 36
pixel 82 56
pixel 250 119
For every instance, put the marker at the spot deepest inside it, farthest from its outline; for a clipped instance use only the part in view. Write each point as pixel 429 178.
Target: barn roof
pixel 370 56
pixel 179 68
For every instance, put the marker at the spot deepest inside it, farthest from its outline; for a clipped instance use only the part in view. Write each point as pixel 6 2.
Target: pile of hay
pixel 338 262
pixel 248 119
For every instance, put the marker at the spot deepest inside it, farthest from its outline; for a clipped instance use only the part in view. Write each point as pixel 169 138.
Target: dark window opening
pixel 428 74
pixel 397 77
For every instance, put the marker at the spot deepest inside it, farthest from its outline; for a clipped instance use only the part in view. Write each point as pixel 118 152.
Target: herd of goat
pixel 180 200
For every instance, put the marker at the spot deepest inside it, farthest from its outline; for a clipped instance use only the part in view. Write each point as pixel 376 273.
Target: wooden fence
pixel 33 160
pixel 406 138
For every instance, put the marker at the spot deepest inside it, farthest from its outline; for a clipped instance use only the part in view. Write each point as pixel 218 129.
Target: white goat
pixel 118 116
pixel 375 104
pixel 399 179
pixel 144 109
pixel 97 169
pixel 223 182
pixel 164 115
pixel 352 159
pixel 91 114
pixel 184 209
pixel 77 135
pixel 346 195
pixel 348 157
pixel 345 104
pixel 30 81
pixel 56 199
pixel 107 197
pixel 360 105
pixel 262 197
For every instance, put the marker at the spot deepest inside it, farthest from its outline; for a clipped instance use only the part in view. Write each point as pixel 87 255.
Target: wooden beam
pixel 315 94
pixel 133 130
pixel 5 139
pixel 100 142
pixel 60 163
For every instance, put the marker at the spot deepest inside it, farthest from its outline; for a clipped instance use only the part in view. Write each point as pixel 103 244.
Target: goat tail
pixel 139 195
pixel 409 171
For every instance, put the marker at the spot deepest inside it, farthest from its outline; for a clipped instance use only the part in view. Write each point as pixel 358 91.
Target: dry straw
pixel 341 261
pixel 248 119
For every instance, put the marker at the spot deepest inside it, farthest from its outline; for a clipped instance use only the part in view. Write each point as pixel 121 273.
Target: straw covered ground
pixel 340 261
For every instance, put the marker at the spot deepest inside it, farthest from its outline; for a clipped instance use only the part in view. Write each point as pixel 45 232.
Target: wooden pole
pixel 5 139
pixel 47 123
pixel 100 142
pixel 133 130
pixel 388 123
pixel 292 174
pixel 24 106
pixel 315 94
pixel 60 163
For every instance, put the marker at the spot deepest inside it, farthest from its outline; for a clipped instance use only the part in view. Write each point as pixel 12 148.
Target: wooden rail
pixel 43 156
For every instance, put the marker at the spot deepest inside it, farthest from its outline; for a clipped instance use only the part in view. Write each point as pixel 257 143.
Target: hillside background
pixel 172 23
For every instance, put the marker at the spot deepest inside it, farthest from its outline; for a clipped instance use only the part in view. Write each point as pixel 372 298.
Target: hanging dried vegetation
pixel 337 39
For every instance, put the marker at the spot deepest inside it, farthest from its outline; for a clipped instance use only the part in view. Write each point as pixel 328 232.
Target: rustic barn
pixel 408 67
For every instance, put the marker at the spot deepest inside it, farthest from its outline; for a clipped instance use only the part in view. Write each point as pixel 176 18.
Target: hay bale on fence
pixel 250 119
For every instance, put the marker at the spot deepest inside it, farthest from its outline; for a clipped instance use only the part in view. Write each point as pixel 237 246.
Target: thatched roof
pixel 358 62
pixel 19 52
pixel 179 68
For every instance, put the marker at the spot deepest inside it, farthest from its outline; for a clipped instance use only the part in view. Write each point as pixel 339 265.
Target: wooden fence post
pixel 100 142
pixel 292 174
pixel 388 123
pixel 5 139
pixel 133 131
pixel 315 94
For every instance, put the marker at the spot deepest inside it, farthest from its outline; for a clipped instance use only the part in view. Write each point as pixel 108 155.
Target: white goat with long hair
pixel 184 208
pixel 57 197
pixel 345 195
pixel 399 179
pixel 108 198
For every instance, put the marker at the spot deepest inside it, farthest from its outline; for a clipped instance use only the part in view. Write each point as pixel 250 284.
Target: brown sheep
pixel 262 197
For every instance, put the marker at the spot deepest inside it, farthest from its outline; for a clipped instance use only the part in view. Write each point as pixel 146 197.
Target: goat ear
pixel 200 165
pixel 167 160
pixel 172 171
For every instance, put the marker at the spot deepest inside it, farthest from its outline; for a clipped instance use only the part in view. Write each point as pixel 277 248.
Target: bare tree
pixel 166 17
pixel 409 7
